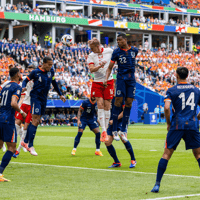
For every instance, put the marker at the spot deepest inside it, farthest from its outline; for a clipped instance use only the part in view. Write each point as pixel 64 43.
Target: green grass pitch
pixel 56 174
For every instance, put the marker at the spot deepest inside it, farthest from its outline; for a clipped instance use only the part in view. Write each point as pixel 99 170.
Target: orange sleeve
pixel 16 96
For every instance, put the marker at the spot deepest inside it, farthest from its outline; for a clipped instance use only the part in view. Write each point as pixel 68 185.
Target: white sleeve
pixel 90 60
pixel 3 85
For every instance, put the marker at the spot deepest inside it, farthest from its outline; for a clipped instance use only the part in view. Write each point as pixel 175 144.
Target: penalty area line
pixel 174 197
pixel 106 170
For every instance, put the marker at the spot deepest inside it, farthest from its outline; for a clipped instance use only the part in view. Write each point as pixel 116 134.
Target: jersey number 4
pixel 189 102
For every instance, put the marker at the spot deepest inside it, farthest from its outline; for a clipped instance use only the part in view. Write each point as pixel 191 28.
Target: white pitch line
pixel 106 170
pixel 174 197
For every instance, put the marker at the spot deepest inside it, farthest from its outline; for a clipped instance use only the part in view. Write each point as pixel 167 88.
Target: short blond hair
pixel 94 41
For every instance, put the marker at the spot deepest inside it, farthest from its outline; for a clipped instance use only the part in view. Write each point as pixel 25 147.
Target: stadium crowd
pixel 190 4
pixel 128 17
pixel 156 67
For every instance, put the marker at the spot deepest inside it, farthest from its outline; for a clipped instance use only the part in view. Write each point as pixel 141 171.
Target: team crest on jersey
pixel 133 54
pixel 18 92
pixel 118 92
pixel 93 93
pixel 100 56
pixel 49 74
pixel 37 110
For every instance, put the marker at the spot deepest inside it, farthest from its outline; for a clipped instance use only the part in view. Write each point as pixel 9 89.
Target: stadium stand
pixel 155 68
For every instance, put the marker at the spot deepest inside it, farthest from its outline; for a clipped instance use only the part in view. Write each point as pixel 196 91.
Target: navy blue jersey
pixel 42 81
pixel 89 110
pixel 112 107
pixel 126 62
pixel 185 98
pixel 7 113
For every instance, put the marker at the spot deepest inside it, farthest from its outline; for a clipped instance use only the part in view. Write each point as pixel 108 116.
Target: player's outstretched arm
pixel 15 105
pixel 55 85
pixel 167 114
pixel 108 72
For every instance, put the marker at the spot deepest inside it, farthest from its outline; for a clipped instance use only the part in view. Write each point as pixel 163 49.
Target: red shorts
pixel 98 90
pixel 26 108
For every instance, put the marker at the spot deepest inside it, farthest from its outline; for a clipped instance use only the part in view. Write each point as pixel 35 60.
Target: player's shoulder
pixel 134 48
pixel 92 54
pixel 108 50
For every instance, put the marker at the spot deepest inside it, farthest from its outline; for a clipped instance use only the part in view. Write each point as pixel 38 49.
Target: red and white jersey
pixel 27 98
pixel 97 59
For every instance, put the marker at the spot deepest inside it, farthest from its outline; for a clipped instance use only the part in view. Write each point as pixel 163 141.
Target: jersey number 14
pixel 189 102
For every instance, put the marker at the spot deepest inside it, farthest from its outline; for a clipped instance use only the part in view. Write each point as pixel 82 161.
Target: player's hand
pixel 102 64
pixel 111 122
pixel 79 123
pixel 63 98
pixel 105 84
pixel 168 126
pixel 23 90
pixel 24 115
pixel 198 116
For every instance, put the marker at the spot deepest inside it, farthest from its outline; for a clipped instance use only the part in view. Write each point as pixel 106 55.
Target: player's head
pixel 182 73
pixel 10 66
pixel 95 45
pixel 47 63
pixel 93 99
pixel 31 68
pixel 15 74
pixel 122 40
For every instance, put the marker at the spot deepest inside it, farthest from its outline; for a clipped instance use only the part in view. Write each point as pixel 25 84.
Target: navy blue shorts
pixel 125 88
pixel 191 138
pixel 37 106
pixel 91 123
pixel 110 129
pixel 8 132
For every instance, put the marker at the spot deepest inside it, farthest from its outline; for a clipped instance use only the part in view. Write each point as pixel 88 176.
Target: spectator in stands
pixel 52 118
pixel 58 118
pixel 68 117
pixel 73 117
pixel 162 113
pixel 63 117
pixel 157 111
pixel 145 110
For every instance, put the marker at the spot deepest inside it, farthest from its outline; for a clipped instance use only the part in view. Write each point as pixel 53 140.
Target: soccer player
pixel 26 107
pixel 184 123
pixel 10 95
pixel 126 83
pixel 87 117
pixel 127 144
pixel 42 77
pixel 98 62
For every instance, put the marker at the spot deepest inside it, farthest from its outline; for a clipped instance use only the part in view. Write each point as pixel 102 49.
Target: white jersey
pixel 5 83
pixel 97 59
pixel 27 98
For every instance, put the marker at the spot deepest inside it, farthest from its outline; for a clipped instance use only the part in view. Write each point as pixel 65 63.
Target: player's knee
pixel 12 148
pixel 108 143
pixel 128 103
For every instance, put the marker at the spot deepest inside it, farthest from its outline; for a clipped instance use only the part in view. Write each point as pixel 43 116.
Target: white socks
pixel 74 149
pixel 107 117
pixel 22 139
pixel 101 118
pixel 19 131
